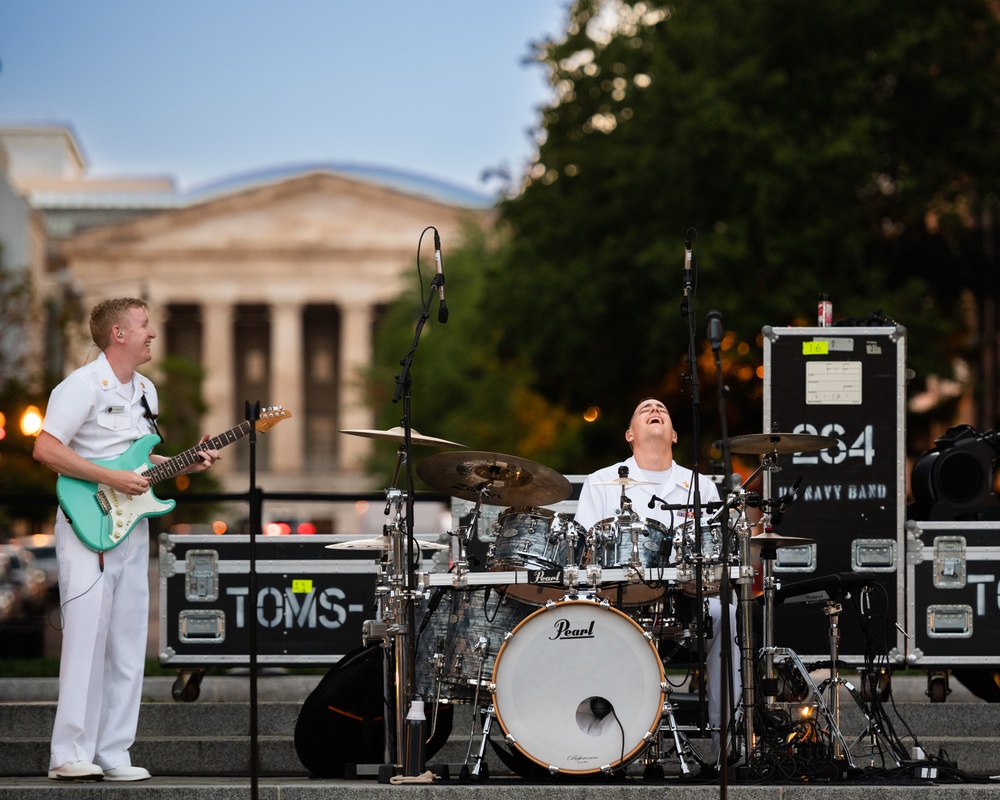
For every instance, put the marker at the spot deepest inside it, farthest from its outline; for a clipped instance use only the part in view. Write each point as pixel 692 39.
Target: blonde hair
pixel 109 313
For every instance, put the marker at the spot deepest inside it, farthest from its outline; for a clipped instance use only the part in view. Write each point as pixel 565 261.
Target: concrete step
pixel 210 737
pixel 305 789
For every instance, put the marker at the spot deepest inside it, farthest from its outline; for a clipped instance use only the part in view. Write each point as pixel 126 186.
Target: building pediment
pixel 317 211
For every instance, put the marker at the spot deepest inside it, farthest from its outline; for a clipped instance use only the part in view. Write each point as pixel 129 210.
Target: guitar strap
pixel 151 416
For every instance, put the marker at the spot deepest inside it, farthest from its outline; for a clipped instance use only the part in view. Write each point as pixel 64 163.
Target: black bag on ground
pixel 343 721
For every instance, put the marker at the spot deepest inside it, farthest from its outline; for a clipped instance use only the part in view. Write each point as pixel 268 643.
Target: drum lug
pixel 491 688
pixel 553 770
pixel 509 738
pixel 606 769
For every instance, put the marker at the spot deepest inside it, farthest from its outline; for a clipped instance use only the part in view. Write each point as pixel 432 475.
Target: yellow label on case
pixel 302 586
pixel 815 348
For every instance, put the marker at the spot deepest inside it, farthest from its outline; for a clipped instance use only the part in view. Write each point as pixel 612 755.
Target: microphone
pixel 687 274
pixel 715 329
pixel 439 278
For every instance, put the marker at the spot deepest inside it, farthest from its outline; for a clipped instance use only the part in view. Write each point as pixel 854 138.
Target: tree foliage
pixel 842 148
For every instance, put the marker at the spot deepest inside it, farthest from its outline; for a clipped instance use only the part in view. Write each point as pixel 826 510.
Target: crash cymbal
pixel 397 434
pixel 759 444
pixel 626 481
pixel 494 478
pixel 381 543
pixel 774 540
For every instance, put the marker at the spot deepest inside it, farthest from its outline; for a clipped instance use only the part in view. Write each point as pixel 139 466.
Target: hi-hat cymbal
pixel 774 540
pixel 760 444
pixel 382 543
pixel 626 481
pixel 494 478
pixel 397 434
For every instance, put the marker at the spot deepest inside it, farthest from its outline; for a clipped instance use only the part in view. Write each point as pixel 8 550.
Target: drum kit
pixel 559 639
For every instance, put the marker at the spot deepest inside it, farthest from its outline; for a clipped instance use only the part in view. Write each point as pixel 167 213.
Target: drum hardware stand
pixel 745 583
pixel 400 631
pixel 681 744
pixel 479 769
pixel 873 730
pixel 840 746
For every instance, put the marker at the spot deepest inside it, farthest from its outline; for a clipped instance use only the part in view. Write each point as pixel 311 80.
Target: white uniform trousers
pixel 105 618
pixel 714 688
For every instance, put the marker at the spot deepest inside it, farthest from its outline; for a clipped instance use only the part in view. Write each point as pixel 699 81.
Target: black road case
pixel 847 383
pixel 310 605
pixel 953 593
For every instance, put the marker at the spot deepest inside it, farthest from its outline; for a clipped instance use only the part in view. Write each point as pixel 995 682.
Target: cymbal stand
pixel 743 531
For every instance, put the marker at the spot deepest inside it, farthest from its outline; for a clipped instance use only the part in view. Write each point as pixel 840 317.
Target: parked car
pixel 11 607
pixel 29 579
pixel 43 547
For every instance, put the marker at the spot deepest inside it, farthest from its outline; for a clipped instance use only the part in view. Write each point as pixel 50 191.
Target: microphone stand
pixel 688 310
pixel 726 694
pixel 405 621
pixel 252 415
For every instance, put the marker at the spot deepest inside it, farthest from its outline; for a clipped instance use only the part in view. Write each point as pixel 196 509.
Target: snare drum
pixel 612 542
pixel 525 540
pixel 459 641
pixel 578 688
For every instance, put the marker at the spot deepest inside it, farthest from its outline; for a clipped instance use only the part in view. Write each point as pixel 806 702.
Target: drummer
pixel 651 436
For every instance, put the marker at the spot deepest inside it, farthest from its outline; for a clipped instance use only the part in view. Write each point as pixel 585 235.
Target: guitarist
pixel 95 414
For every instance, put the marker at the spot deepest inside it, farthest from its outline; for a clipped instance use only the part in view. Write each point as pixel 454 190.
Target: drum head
pixel 577 687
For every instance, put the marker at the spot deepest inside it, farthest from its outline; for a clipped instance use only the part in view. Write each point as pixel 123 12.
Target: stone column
pixel 217 359
pixel 286 386
pixel 355 355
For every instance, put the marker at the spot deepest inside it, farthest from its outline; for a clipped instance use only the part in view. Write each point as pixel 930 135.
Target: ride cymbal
pixel 760 444
pixel 397 434
pixel 494 478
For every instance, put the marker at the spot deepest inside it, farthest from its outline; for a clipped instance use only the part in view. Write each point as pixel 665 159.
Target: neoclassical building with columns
pixel 272 283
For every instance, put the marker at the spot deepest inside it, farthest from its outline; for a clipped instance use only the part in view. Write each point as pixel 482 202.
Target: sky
pixel 203 90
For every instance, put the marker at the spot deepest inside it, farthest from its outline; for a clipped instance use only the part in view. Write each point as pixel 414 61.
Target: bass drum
pixel 578 688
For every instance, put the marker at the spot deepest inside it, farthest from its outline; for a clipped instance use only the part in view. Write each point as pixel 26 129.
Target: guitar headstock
pixel 271 416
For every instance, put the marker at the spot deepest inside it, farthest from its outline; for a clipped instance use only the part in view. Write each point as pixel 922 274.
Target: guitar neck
pixel 175 465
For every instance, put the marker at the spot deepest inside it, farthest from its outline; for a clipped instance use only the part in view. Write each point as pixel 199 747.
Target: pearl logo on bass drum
pixel 563 630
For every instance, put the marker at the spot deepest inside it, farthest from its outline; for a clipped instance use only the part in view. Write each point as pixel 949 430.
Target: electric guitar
pixel 102 518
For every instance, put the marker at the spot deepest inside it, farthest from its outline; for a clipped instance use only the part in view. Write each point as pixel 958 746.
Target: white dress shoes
pixel 127 773
pixel 77 771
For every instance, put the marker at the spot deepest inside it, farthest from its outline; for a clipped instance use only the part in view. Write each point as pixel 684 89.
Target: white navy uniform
pixel 672 487
pixel 105 615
